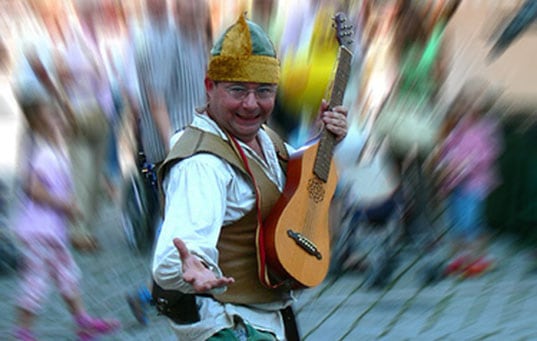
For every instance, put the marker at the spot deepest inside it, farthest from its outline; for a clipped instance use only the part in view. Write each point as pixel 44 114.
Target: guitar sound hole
pixel 316 190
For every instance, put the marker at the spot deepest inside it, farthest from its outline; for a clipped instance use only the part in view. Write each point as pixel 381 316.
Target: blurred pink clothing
pixel 471 151
pixel 51 166
pixel 46 260
pixel 43 230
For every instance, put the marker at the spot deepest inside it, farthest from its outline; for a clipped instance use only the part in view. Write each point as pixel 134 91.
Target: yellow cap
pixel 244 53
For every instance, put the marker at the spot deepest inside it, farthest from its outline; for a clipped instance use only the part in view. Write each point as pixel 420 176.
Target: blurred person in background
pixel 171 73
pixel 368 228
pixel 155 51
pixel 467 173
pixel 11 132
pixel 43 42
pixel 42 218
pixel 113 43
pixel 379 66
pixel 62 64
pixel 156 54
pixel 410 116
pixel 416 53
pixel 194 43
pixel 83 82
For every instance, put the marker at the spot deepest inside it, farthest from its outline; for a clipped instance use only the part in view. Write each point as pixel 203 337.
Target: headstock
pixel 343 29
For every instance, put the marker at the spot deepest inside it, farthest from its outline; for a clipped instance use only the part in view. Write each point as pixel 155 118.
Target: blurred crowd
pixel 395 188
pixel 133 71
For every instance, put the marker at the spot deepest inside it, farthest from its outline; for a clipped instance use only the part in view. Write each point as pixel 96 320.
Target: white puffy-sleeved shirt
pixel 204 193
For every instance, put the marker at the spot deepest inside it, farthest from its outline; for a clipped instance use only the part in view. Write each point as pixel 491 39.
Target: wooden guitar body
pixel 297 235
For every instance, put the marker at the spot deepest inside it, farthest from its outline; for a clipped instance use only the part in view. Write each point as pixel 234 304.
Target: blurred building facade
pixel 471 33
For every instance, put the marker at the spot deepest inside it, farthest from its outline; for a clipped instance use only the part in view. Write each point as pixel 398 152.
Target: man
pixel 208 201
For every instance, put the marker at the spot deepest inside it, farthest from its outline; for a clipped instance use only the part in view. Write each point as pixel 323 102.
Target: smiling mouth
pixel 248 117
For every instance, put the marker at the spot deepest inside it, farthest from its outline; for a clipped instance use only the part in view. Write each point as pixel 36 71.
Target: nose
pixel 250 101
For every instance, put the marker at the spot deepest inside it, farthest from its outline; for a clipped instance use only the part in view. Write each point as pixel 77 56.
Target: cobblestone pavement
pixel 497 306
pixel 106 277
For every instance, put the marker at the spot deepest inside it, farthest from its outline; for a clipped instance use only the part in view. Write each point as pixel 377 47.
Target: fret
pixel 341 77
pixel 327 141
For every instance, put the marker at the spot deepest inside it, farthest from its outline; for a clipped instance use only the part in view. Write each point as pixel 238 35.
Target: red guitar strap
pixel 260 239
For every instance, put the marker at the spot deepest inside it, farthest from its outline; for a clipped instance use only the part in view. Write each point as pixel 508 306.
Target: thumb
pixel 181 248
pixel 324 105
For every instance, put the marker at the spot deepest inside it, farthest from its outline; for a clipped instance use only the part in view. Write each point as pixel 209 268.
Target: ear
pixel 209 84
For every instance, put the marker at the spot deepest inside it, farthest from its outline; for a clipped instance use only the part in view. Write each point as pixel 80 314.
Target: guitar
pixel 296 232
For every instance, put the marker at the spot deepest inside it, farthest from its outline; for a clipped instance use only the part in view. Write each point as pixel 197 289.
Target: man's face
pixel 240 108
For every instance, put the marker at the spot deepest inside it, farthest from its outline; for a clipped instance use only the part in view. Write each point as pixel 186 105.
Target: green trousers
pixel 232 335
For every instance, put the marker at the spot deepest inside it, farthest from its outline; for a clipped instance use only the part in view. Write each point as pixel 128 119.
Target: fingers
pixel 335 118
pixel 340 109
pixel 181 248
pixel 336 122
pixel 204 286
pixel 196 273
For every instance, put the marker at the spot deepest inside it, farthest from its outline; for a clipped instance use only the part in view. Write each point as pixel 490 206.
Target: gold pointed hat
pixel 244 53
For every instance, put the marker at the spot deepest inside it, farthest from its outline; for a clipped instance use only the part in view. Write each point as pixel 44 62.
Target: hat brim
pixel 253 68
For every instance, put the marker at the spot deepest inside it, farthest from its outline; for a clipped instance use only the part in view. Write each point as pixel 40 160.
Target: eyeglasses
pixel 262 92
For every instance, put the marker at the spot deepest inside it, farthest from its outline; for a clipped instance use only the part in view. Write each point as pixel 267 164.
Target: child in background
pixel 46 206
pixel 467 167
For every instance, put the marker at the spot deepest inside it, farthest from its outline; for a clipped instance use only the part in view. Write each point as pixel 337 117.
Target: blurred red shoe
pixel 90 328
pixel 456 265
pixel 478 268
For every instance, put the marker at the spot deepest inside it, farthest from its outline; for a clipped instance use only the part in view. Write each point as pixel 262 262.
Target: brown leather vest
pixel 237 245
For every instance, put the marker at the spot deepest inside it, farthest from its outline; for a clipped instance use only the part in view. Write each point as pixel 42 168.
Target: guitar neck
pixel 328 140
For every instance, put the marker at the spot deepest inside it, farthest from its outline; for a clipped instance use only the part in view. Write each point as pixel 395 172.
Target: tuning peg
pixel 340 17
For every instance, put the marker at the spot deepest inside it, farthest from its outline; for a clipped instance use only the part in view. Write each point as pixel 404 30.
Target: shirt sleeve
pixel 196 192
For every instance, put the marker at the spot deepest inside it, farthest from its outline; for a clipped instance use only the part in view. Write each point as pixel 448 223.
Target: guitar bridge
pixel 305 243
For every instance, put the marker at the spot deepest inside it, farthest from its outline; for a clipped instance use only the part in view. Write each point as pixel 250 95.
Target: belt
pixel 289 321
pixel 182 309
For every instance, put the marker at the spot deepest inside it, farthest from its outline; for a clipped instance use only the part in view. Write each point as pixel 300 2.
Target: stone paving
pixel 497 306
pixel 107 276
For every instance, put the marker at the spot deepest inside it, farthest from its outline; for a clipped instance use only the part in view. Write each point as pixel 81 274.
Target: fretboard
pixel 327 141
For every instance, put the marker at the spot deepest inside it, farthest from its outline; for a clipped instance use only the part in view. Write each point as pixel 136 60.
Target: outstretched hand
pixel 196 273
